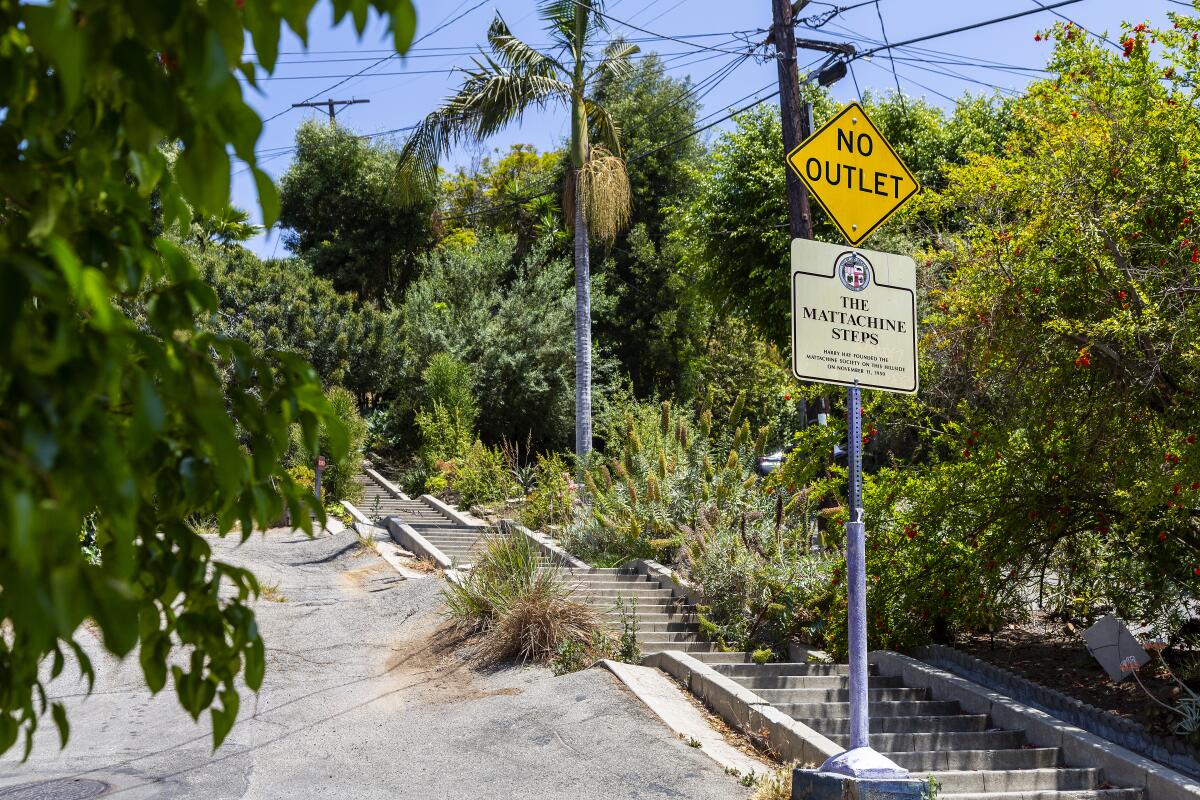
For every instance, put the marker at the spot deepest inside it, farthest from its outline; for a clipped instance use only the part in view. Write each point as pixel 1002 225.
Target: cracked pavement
pixel 362 699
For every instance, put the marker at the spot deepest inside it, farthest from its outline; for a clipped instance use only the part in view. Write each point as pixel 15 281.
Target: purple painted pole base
pixel 863 762
pixel 810 785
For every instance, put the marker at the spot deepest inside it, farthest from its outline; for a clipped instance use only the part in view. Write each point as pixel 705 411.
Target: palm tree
pixel 506 82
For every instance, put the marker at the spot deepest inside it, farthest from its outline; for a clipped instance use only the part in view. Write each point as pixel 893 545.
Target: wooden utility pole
pixel 330 106
pixel 783 35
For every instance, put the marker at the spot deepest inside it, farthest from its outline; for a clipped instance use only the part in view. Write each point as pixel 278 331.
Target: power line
pixel 891 60
pixel 1104 39
pixel 582 4
pixel 443 25
pixel 963 28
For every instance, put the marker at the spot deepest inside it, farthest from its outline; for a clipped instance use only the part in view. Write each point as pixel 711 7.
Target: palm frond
pixel 615 61
pixel 515 54
pixel 602 123
pixel 490 97
pixel 561 16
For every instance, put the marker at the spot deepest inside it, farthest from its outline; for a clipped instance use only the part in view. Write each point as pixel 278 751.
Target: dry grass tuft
pixel 521 612
pixel 271 592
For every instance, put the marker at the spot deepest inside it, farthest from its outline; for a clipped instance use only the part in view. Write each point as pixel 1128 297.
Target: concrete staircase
pixel 460 543
pixel 663 622
pixel 969 757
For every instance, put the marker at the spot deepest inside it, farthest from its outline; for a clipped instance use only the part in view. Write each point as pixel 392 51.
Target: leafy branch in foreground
pixel 118 400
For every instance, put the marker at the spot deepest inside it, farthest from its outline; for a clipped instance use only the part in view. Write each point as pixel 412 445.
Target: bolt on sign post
pixel 854 324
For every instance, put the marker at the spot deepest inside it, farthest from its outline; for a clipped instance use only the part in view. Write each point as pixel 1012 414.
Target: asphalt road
pixel 362 700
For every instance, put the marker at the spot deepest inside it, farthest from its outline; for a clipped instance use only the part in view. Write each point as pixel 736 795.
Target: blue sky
pixel 402 90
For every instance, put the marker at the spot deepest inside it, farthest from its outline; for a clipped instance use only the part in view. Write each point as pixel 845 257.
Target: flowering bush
pixel 552 500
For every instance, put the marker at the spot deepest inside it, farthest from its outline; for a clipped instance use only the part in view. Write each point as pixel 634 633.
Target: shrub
pixel 339 479
pixel 520 611
pixel 552 500
pixel 669 478
pixel 447 422
pixel 482 477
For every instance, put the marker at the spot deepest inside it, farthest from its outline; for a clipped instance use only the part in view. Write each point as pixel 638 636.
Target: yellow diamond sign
pixel 854 172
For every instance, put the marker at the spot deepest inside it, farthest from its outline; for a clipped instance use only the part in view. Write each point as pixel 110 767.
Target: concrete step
pixel 788 668
pixel 634 593
pixel 584 586
pixel 651 605
pixel 946 740
pixel 1084 794
pixel 606 571
pixel 723 658
pixel 879 709
pixel 656 645
pixel 943 760
pixel 647 627
pixel 668 636
pixel 964 723
pixel 777 696
pixel 1017 780
pixel 757 682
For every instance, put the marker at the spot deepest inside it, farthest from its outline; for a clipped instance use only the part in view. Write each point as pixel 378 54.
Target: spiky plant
pixel 508 80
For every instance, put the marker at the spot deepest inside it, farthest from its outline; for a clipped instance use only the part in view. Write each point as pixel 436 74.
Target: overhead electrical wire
pixel 961 28
pixel 445 23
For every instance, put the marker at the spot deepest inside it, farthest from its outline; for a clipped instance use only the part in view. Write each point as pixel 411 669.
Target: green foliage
pixel 447 424
pixel 736 362
pixel 667 479
pixel 512 325
pixel 492 198
pixel 339 481
pixel 116 401
pixel 552 500
pixel 282 305
pixel 482 476
pixel 655 324
pixel 344 217
pixel 521 611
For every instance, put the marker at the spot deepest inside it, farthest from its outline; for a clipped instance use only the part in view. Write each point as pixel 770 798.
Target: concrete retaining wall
pixel 743 709
pixel 1079 747
pixel 544 543
pixel 1173 752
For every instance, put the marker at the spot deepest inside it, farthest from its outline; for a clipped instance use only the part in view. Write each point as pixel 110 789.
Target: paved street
pixel 359 701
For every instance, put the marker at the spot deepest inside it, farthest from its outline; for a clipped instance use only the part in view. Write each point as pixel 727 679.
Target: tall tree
pixel 656 324
pixel 506 83
pixel 120 412
pixel 339 201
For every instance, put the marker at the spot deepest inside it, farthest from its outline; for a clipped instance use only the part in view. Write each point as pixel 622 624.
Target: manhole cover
pixel 62 789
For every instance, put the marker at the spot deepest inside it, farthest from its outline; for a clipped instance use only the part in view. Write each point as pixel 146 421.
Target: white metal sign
pixel 854 317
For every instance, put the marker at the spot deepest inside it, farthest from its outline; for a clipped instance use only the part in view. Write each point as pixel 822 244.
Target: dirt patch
pixel 358 578
pixel 1054 656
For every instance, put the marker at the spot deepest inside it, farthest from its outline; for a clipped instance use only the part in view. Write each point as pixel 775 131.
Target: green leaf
pixel 224 717
pixel 404 25
pixel 256 662
pixel 60 721
pixel 54 32
pixel 268 196
pixel 203 172
pixel 152 657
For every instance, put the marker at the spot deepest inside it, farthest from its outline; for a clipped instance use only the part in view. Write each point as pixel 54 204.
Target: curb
pixel 452 512
pixel 405 536
pixel 391 488
pixel 667 701
pixel 1079 748
pixel 743 709
pixel 544 543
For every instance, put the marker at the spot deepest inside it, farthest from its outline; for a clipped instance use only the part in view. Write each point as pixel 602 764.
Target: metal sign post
pixel 854 325
pixel 317 481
